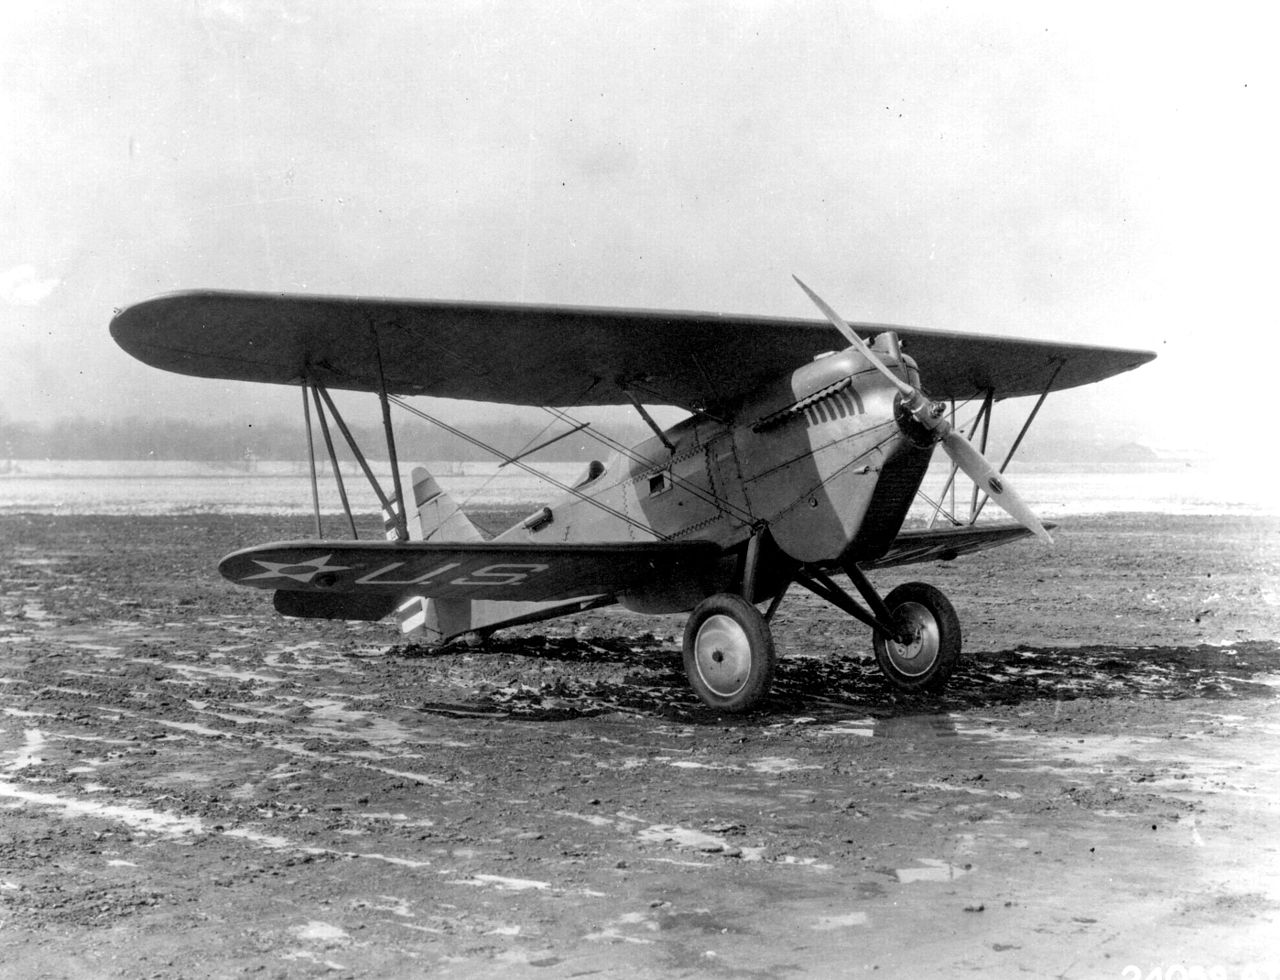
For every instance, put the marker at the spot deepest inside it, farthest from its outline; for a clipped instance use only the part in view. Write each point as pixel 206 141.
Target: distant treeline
pixel 180 439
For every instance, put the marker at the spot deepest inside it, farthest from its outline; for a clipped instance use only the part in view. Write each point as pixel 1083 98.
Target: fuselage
pixel 816 456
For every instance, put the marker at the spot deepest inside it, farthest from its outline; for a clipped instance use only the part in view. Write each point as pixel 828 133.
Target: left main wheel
pixel 728 653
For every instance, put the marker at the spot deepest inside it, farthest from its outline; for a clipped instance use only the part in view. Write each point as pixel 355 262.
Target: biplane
pixel 802 451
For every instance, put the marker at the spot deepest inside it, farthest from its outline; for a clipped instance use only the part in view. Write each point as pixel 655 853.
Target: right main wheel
pixel 728 652
pixel 926 662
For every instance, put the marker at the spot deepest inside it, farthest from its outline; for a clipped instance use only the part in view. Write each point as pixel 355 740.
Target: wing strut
pixel 355 450
pixel 648 420
pixel 1022 432
pixel 983 419
pixel 988 402
pixel 333 461
pixel 983 416
pixel 311 462
pixel 398 513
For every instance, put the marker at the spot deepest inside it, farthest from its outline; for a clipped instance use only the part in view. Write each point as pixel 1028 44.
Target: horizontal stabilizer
pixel 522 571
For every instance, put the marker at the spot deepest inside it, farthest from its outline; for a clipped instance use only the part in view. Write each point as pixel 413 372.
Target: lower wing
pixel 944 544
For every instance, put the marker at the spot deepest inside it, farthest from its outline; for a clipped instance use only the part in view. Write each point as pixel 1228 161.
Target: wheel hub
pixel 915 657
pixel 722 655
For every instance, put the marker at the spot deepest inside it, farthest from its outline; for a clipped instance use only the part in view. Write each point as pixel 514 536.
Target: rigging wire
pixel 720 503
pixel 522 452
pixel 481 444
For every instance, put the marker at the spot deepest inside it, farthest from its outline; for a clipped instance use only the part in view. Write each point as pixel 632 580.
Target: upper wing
pixel 554 355
pixel 944 544
pixel 463 570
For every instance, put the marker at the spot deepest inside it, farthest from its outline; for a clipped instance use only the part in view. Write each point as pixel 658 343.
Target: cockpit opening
pixel 595 470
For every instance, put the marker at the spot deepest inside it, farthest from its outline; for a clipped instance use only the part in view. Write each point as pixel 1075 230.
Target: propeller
pixel 932 416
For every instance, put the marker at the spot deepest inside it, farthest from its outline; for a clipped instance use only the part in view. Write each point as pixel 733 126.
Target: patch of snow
pixel 933 870
pixel 830 922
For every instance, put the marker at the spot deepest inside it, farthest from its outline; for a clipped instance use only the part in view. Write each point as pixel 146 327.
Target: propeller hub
pixel 922 420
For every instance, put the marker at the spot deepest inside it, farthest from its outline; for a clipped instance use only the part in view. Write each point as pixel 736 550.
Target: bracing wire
pixel 726 507
pixel 481 444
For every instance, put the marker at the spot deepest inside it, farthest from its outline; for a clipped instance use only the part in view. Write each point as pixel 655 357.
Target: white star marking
pixel 299 571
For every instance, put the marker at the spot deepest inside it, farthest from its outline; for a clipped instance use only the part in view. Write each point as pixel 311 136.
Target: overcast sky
pixel 1100 173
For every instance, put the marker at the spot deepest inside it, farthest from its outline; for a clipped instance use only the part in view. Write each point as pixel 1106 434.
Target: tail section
pixel 436 517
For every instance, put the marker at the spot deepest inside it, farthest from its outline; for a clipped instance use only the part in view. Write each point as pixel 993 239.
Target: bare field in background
pixel 167 487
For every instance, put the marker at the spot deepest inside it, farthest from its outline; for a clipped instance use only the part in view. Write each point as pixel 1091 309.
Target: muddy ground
pixel 191 786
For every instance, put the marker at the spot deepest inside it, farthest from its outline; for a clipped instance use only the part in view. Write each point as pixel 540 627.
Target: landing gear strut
pixel 915 629
pixel 729 655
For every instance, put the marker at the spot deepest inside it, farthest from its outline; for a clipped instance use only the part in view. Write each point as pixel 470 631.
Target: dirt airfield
pixel 191 786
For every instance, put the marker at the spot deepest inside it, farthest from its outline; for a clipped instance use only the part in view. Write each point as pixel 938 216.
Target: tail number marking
pixel 502 574
pixel 499 575
pixel 376 577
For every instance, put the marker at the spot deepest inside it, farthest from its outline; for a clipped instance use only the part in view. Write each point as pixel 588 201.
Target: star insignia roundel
pixel 304 571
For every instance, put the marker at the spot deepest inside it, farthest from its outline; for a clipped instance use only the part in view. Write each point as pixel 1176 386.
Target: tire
pixel 926 664
pixel 728 653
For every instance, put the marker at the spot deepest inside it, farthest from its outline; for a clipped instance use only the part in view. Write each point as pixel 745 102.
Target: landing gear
pixel 728 652
pixel 729 655
pixel 915 630
pixel 929 647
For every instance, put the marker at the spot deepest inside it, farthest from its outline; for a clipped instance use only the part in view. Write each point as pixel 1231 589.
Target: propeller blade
pixel 984 475
pixel 838 322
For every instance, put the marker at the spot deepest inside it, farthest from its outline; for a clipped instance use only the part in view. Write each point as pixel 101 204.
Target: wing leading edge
pixel 556 355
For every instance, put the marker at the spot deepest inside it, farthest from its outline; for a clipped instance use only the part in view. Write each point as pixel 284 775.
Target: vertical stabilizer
pixel 438 517
pixel 434 517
